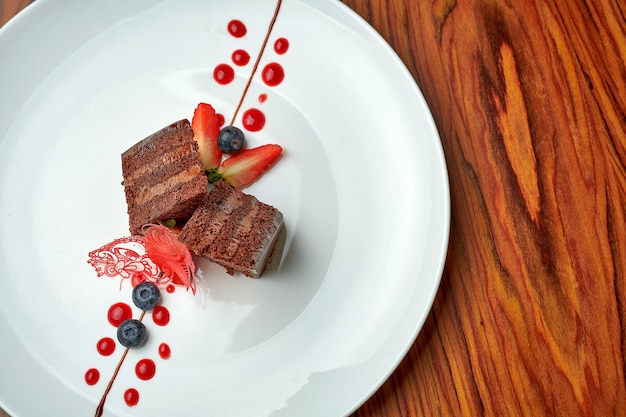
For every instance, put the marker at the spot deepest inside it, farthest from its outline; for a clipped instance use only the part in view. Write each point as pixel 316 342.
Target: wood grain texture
pixel 8 9
pixel 530 101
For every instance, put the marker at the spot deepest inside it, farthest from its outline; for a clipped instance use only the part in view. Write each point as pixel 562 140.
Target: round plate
pixel 362 185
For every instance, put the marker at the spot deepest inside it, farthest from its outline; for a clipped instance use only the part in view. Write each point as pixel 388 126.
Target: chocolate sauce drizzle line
pixel 100 408
pixel 258 59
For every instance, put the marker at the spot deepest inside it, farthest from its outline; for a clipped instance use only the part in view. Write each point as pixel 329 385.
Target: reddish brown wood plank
pixel 529 101
pixel 8 9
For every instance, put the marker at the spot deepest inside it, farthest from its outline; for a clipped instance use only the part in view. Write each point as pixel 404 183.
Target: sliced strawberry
pixel 206 128
pixel 171 255
pixel 244 168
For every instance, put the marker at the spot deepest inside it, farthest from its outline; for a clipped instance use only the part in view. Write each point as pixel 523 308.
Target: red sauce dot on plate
pixel 253 120
pixel 223 74
pixel 160 316
pixel 106 346
pixel 240 57
pixel 118 313
pixel 281 45
pixel 164 351
pixel 131 397
pixel 92 376
pixel 273 74
pixel 262 98
pixel 220 119
pixel 237 28
pixel 145 369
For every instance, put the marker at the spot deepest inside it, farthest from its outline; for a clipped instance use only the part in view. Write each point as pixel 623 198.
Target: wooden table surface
pixel 529 98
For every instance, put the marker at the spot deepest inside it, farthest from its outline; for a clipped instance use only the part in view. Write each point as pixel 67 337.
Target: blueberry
pixel 231 140
pixel 131 333
pixel 146 295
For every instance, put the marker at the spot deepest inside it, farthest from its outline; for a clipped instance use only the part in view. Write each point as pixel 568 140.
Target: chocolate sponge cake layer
pixel 234 230
pixel 163 177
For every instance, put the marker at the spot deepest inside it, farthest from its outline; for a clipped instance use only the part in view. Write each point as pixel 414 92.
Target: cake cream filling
pixel 244 229
pixel 145 195
pixel 217 223
pixel 170 157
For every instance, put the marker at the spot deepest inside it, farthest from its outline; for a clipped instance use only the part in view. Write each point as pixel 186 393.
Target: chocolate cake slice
pixel 163 177
pixel 234 230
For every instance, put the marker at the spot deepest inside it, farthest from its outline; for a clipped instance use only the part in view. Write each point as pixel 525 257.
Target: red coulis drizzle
pixel 253 120
pixel 145 369
pixel 256 123
pixel 131 397
pixel 106 346
pixel 164 351
pixel 116 315
pixel 237 28
pixel 220 119
pixel 240 57
pixel 223 74
pixel 273 74
pixel 281 45
pixel 119 312
pixel 92 376
pixel 160 316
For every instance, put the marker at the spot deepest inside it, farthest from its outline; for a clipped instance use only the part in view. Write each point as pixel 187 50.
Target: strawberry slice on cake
pixel 244 168
pixel 206 128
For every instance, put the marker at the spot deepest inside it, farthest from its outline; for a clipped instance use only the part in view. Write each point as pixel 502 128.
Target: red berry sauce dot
pixel 281 45
pixel 160 316
pixel 170 289
pixel 273 74
pixel 223 74
pixel 262 98
pixel 92 376
pixel 131 397
pixel 237 28
pixel 240 57
pixel 253 120
pixel 106 346
pixel 164 351
pixel 145 369
pixel 118 313
pixel 220 119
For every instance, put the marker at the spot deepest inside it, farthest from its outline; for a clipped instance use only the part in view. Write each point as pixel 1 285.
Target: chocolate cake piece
pixel 234 230
pixel 163 177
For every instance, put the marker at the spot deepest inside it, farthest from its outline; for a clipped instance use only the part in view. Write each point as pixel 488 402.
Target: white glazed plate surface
pixel 362 186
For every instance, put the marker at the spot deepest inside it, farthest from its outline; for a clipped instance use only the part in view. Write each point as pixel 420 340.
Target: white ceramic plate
pixel 362 185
